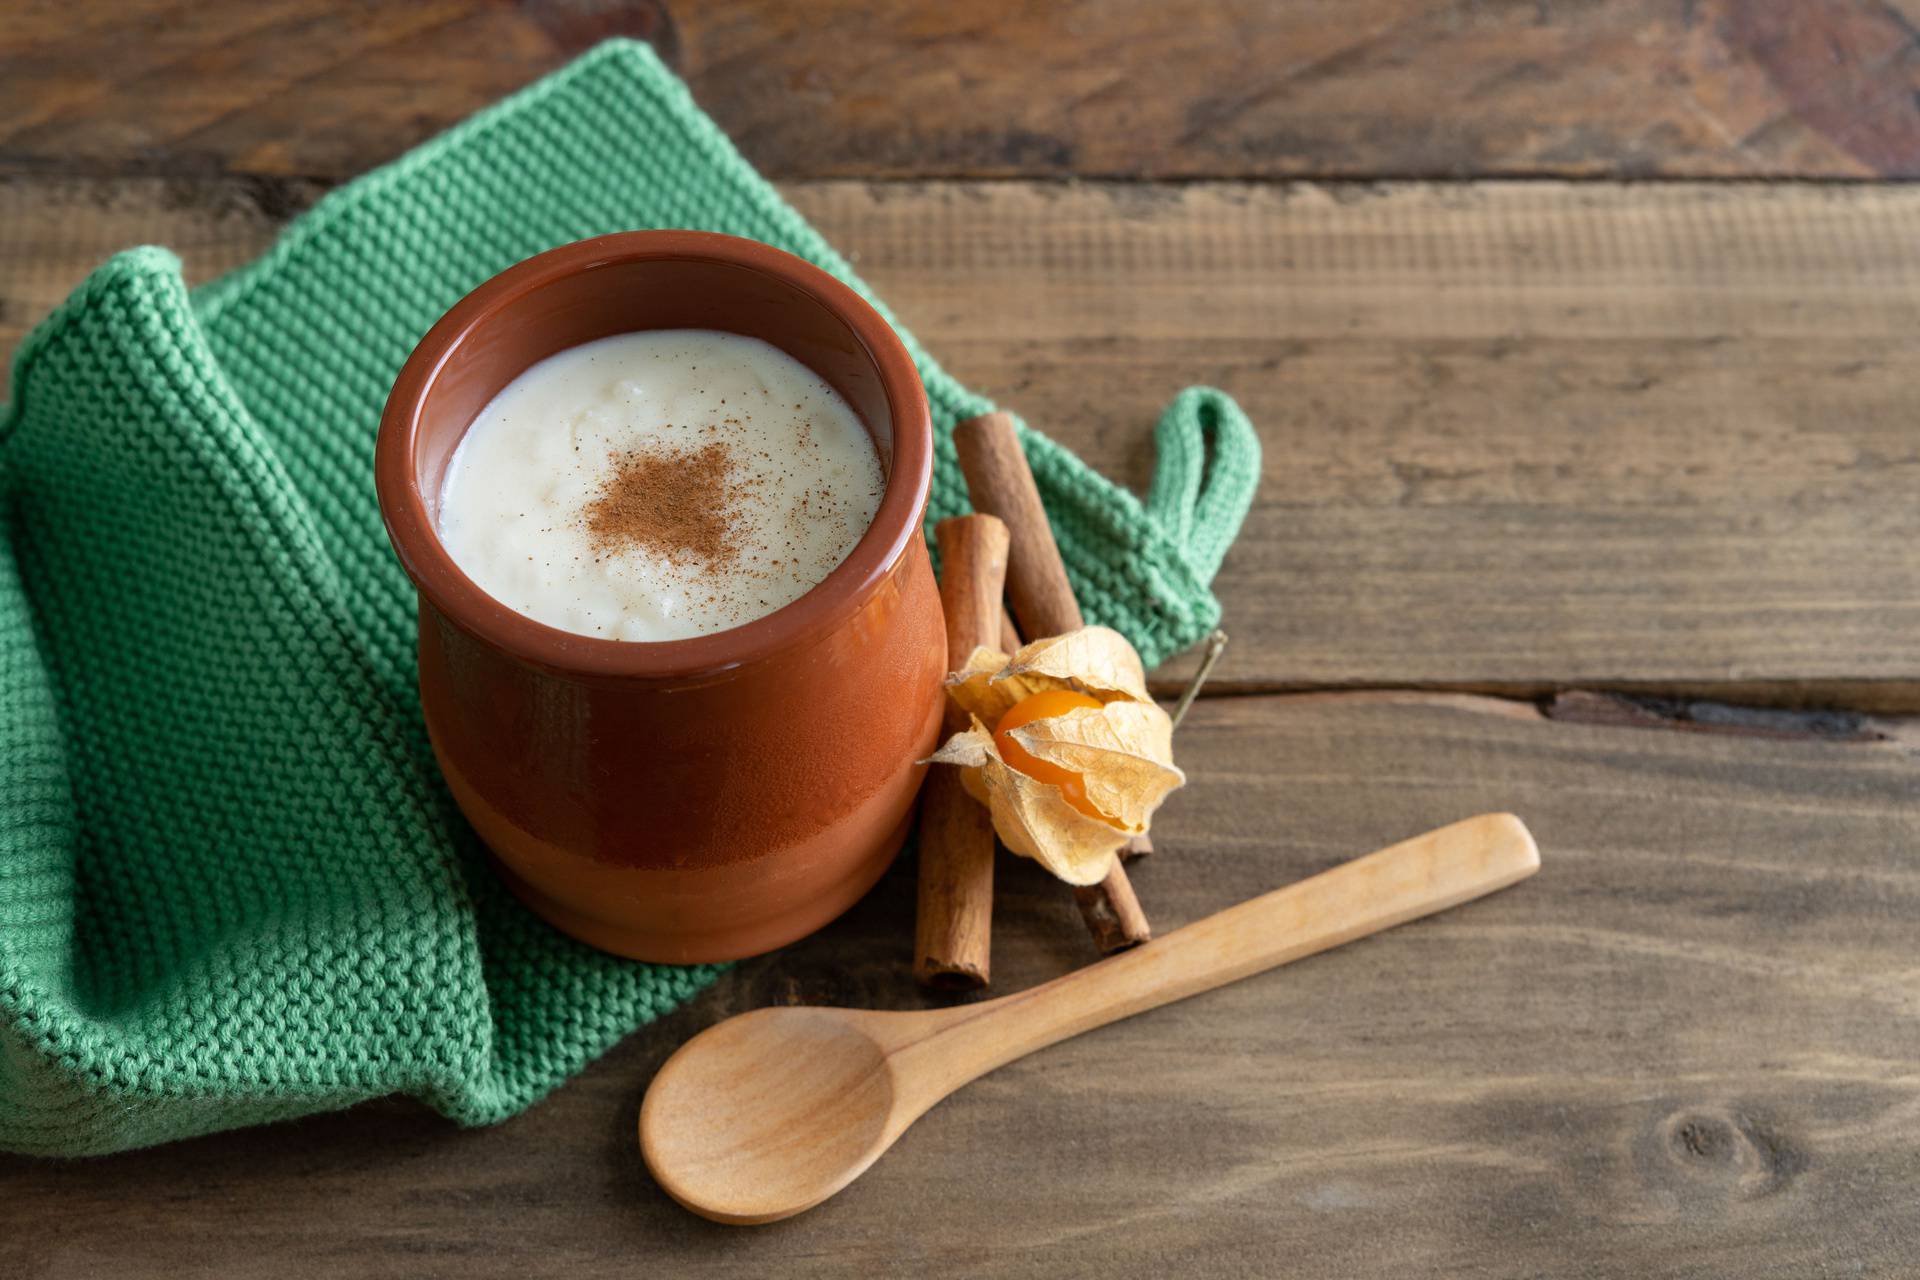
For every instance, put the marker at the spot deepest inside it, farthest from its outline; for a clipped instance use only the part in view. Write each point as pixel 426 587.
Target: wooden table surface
pixel 1581 342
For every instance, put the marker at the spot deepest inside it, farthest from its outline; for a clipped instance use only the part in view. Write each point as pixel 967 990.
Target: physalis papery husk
pixel 1104 757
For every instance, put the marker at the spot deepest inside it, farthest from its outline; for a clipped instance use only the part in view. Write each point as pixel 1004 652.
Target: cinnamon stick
pixel 1000 483
pixel 1112 912
pixel 952 946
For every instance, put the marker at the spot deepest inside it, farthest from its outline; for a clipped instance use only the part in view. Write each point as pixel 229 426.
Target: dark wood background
pixel 1580 339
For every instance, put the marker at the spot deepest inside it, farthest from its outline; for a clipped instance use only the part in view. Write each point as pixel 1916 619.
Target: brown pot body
pixel 690 800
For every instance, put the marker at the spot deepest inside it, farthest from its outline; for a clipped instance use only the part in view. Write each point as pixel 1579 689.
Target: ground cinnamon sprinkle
pixel 678 505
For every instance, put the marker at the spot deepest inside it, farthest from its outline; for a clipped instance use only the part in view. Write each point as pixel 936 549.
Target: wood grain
pixel 1118 88
pixel 1685 1048
pixel 1518 436
pixel 286 87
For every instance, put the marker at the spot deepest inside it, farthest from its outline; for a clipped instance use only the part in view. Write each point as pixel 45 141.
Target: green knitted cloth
pixel 232 886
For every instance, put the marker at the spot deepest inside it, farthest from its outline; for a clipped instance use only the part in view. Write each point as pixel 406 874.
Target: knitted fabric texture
pixel 232 886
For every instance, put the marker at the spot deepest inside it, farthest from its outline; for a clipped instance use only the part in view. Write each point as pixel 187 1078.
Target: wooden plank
pixel 1119 88
pixel 53 231
pixel 1518 436
pixel 300 87
pixel 1685 1048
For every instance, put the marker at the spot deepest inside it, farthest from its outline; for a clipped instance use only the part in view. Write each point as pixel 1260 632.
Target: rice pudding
pixel 659 485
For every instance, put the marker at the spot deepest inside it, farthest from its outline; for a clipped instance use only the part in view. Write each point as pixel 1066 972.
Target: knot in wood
pixel 1723 1152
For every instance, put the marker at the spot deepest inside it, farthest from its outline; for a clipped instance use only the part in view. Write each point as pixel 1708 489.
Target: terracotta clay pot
pixel 688 800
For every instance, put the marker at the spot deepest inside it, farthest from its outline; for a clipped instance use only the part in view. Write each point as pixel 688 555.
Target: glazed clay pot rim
pixel 895 524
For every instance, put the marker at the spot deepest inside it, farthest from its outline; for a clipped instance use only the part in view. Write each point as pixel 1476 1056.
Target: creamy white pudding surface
pixel 659 485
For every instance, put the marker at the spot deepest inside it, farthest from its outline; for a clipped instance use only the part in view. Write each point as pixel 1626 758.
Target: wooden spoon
pixel 769 1113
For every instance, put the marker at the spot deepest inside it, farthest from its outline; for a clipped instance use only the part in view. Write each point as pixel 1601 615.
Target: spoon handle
pixel 1403 882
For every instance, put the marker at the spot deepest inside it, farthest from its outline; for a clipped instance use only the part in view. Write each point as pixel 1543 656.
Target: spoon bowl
pixel 765 1115
pixel 769 1113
